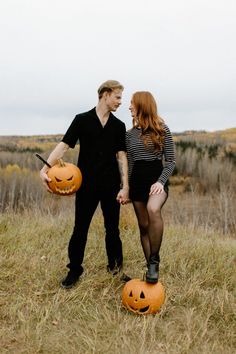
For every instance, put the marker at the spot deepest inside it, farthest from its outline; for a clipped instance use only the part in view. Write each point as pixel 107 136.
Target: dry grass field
pixel 37 316
pixel 198 260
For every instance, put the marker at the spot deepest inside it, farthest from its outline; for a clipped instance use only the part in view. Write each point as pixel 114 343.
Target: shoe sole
pixel 69 286
pixel 152 281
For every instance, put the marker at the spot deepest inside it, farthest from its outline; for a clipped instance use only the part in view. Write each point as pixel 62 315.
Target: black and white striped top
pixel 136 150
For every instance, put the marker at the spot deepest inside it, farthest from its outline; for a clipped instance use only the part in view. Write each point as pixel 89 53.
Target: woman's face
pixel 132 109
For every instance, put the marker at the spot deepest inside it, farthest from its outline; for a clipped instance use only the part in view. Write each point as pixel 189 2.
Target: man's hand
pixel 55 155
pixel 123 196
pixel 45 179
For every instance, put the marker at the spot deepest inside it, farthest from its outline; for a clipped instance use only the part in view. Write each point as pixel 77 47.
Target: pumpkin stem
pixel 61 163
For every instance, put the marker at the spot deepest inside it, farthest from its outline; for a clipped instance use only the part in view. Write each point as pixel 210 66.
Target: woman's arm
pixel 169 157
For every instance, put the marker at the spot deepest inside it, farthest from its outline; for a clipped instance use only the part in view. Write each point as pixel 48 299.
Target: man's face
pixel 113 99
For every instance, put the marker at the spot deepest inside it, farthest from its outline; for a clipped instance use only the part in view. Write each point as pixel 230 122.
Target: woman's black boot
pixel 153 269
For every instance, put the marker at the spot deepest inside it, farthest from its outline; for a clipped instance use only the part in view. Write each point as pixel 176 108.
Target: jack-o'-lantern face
pixel 141 297
pixel 66 178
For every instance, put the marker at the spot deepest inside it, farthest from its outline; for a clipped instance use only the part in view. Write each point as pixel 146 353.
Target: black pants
pixel 87 200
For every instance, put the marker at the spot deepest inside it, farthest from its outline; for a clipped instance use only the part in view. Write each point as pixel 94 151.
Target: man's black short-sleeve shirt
pixel 98 146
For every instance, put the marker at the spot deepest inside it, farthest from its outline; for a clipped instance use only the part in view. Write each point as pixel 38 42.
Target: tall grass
pixel 20 186
pixel 37 316
pixel 203 190
pixel 214 211
pixel 198 260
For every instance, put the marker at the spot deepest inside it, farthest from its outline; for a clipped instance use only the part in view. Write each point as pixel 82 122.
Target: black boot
pixel 70 280
pixel 153 269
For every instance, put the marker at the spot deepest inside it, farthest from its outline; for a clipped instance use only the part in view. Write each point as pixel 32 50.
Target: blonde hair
pixel 109 86
pixel 147 118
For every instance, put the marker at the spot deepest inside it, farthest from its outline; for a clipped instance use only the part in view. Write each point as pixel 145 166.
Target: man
pixel 103 163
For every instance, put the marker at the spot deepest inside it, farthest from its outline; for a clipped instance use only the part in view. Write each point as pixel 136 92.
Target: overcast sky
pixel 55 54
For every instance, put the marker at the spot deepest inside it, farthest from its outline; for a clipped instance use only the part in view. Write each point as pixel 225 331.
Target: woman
pixel 148 143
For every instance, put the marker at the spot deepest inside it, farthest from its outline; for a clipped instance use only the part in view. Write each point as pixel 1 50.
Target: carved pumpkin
pixel 66 178
pixel 141 297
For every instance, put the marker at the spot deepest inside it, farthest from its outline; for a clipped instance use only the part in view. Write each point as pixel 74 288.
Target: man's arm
pixel 55 155
pixel 123 195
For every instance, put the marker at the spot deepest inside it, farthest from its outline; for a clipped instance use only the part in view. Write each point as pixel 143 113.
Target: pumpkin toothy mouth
pixel 66 190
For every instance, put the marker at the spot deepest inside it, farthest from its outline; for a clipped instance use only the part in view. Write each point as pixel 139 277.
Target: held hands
pixel 123 196
pixel 156 188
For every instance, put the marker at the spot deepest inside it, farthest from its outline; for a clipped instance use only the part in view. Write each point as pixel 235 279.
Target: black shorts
pixel 144 174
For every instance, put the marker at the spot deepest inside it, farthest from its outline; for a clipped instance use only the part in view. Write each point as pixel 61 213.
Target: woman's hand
pixel 156 188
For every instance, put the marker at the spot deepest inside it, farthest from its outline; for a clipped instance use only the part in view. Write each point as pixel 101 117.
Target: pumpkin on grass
pixel 141 297
pixel 66 178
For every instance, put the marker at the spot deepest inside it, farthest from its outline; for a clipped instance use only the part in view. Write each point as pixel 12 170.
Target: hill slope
pixel 197 270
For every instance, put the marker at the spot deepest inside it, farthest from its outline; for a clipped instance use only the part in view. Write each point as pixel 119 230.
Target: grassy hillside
pixel 198 259
pixel 37 316
pixel 226 135
pixel 46 142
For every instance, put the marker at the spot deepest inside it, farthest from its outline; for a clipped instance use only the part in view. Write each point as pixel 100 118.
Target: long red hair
pixel 148 120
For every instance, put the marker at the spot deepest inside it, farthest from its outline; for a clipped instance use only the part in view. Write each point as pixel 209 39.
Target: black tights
pixel 150 223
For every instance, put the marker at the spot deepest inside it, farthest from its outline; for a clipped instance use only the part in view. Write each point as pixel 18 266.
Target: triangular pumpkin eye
pixel 131 294
pixel 69 179
pixel 57 179
pixel 142 296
